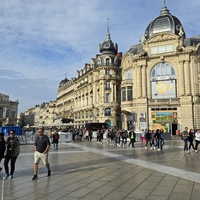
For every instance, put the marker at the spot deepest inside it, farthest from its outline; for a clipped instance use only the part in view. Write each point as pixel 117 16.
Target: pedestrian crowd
pixel 189 137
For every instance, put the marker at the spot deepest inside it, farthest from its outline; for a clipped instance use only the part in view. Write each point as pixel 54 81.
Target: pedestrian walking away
pixel 11 154
pixel 41 148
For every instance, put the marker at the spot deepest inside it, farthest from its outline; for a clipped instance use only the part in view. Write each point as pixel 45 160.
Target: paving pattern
pixel 92 171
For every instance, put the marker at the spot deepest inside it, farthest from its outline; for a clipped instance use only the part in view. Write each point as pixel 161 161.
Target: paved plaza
pixel 92 171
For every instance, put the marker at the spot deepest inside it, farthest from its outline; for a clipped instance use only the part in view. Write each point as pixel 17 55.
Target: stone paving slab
pixel 91 171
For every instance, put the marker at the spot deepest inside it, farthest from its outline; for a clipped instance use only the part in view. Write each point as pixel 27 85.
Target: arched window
pixel 163 71
pixel 108 122
pixel 13 114
pixel 128 74
pixel 107 61
pixel 163 81
pixel 107 112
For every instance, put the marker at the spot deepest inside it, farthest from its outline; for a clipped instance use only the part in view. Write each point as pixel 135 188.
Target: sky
pixel 44 41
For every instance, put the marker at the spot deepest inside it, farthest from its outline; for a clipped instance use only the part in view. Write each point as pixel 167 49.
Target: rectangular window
pixel 123 94
pixel 129 94
pixel 98 97
pixel 107 98
pixel 162 49
pixel 107 84
pixel 107 71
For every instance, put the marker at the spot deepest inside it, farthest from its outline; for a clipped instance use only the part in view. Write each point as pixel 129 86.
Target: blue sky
pixel 42 41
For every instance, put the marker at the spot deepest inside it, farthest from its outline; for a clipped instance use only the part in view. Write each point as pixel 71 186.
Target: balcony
pixel 127 81
pixel 107 88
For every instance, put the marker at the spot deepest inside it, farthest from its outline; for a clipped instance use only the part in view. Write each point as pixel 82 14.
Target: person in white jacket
pixel 197 140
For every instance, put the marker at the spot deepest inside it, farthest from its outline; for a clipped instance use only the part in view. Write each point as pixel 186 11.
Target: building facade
pixel 160 78
pixel 8 111
pixel 94 94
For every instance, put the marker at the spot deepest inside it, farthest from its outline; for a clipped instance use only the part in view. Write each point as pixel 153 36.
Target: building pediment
pixel 162 38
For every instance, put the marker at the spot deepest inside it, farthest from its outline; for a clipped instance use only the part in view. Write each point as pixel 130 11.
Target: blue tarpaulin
pixel 6 130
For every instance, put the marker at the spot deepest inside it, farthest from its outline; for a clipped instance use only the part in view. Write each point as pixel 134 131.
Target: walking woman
pixel 191 139
pixel 13 149
pixel 55 140
pixel 2 147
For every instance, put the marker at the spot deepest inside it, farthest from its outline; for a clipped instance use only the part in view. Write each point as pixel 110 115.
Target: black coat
pixel 2 148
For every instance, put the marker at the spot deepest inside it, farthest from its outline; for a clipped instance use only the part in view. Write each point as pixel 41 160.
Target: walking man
pixel 41 148
pixel 132 137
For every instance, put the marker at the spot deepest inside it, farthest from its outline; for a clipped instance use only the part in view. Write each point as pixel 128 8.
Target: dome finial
pixel 108 25
pixel 108 33
pixel 165 3
pixel 164 10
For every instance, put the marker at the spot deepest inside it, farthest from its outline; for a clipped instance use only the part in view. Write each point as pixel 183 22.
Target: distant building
pixel 8 111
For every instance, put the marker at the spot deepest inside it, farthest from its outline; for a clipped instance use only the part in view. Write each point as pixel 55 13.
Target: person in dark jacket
pixel 191 139
pixel 13 149
pixel 148 138
pixel 2 147
pixel 55 140
pixel 132 137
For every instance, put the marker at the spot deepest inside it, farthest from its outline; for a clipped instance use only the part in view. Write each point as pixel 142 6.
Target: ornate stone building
pixel 161 77
pixel 40 114
pixel 8 111
pixel 94 94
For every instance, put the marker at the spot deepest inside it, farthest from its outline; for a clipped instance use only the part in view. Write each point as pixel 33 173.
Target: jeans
pixel 185 144
pixel 161 142
pixel 12 164
pixel 55 145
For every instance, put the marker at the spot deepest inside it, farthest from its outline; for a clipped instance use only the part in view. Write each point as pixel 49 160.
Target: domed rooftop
pixel 108 47
pixel 165 22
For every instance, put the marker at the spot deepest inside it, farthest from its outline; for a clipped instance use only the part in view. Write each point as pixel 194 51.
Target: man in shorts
pixel 41 148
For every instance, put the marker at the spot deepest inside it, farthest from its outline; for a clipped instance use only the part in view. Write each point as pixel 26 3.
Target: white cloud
pixel 42 41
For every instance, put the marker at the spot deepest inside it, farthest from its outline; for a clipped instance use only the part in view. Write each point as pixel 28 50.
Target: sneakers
pixel 35 177
pixel 188 151
pixel 49 173
pixel 196 151
pixel 158 149
pixel 10 177
pixel 6 176
pixel 145 147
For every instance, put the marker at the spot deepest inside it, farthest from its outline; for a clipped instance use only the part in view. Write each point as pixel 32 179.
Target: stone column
pixel 187 77
pixel 103 91
pixel 144 80
pixel 181 78
pixel 139 86
pixel 194 77
pixel 112 91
